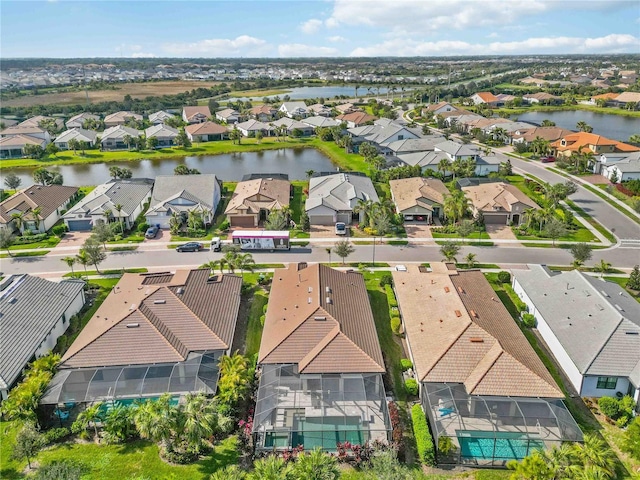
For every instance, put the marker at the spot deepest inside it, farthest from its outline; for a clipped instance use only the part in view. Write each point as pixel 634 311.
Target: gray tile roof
pixel 340 192
pixel 162 131
pixel 199 189
pixel 29 308
pixel 589 317
pixel 128 193
pixel 79 134
pixel 415 144
pixel 457 149
pixel 318 121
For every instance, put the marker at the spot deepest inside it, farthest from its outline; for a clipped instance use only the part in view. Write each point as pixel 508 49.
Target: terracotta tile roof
pixel 606 96
pixel 581 140
pixel 273 194
pixel 358 118
pixel 190 112
pixel 487 97
pixel 321 319
pixel 206 128
pixel 154 318
pixel 266 109
pixel 48 197
pixel 459 332
pixel 408 192
pixel 487 197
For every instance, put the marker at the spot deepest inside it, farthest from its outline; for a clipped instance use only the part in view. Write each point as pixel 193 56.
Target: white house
pixel 294 109
pixel 113 138
pixel 120 118
pixel 591 326
pixel 250 127
pixel 181 194
pixel 156 118
pixel 197 114
pixel 100 204
pixel 622 166
pixel 77 121
pixel 78 134
pixel 165 134
pixel 290 124
pixel 35 312
pixel 28 130
pixel 228 115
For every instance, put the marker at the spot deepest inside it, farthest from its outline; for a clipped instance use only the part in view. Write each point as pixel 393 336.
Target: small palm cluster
pixel 232 260
pixel 376 216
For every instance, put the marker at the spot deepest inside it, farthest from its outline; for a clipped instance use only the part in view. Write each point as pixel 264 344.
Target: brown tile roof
pixel 459 332
pixel 546 133
pixel 266 109
pixel 408 192
pixel 48 197
pixel 358 118
pixel 486 196
pixel 432 107
pixel 628 97
pixel 581 140
pixel 273 194
pixel 206 128
pixel 19 129
pixel 161 320
pixel 301 326
pixel 189 112
pixel 487 97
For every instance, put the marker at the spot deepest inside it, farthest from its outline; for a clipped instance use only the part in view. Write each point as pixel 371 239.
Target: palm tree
pixel 91 416
pixel 230 472
pixel 316 465
pixel 364 209
pixel 558 459
pixel 235 377
pixel 470 260
pixel 128 140
pixel 584 127
pixel 309 173
pixel 272 468
pixel 107 215
pixel 199 419
pixel 455 205
pixel 36 217
pixel 449 250
pixel 244 261
pixel 70 261
pixel 83 259
pixel 230 259
pixel 530 215
pixel 595 453
pixel 155 419
pixel 540 146
pixel 175 222
pixel 18 220
pixel 603 267
pixel 444 165
pixel 118 208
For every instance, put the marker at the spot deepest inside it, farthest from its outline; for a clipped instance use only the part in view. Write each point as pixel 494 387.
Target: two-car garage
pixel 83 225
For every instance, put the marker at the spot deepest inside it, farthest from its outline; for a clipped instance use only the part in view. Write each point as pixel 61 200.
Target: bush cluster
pixel 391 297
pixel 59 230
pixel 504 277
pixel 55 435
pixel 529 320
pixel 424 442
pixel 395 325
pixel 396 425
pixel 618 409
pixel 25 239
pixel 411 387
pixel 405 364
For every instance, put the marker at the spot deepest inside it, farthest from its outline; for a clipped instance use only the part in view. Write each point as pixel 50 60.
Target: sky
pixel 316 28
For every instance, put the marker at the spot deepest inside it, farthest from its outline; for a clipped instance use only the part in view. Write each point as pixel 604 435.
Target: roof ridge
pixel 319 347
pixel 489 367
pixel 446 350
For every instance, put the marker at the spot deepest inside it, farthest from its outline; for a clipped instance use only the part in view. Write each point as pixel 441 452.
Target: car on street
pixel 189 247
pixel 341 228
pixel 548 159
pixel 151 232
pixel 216 244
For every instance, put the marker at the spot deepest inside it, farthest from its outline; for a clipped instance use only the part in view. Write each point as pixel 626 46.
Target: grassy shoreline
pixel 559 108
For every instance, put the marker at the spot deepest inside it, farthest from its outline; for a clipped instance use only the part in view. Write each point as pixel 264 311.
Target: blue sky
pixel 313 28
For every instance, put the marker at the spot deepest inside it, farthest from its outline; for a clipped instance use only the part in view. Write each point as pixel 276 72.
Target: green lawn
pixel 254 327
pixel 473 236
pixel 297 202
pixel 50 242
pixel 592 221
pixel 9 468
pixel 37 253
pixel 81 272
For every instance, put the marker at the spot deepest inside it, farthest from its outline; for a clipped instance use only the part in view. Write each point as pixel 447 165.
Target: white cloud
pixel 493 35
pixel 311 26
pixel 336 39
pixel 244 45
pixel 615 43
pixel 301 50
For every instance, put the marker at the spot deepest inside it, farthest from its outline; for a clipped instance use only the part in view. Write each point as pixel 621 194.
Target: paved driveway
pixel 326 231
pixel 418 230
pixel 74 239
pixel 500 232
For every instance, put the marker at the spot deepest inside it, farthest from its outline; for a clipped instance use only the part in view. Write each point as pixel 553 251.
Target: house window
pixel 607 383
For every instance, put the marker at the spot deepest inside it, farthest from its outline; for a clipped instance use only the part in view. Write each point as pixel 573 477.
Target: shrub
pixel 631 440
pixel 59 230
pixel 395 325
pixel 609 406
pixel 405 364
pixel 224 226
pixel 504 277
pixel 396 425
pixel 142 228
pixel 28 237
pixel 391 296
pixel 529 320
pixel 622 421
pixel 262 319
pixel 55 435
pixel 445 445
pixel 411 387
pixel 424 442
pixel 386 279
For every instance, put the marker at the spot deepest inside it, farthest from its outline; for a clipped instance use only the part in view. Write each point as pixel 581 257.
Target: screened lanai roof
pixel 199 373
pixel 454 412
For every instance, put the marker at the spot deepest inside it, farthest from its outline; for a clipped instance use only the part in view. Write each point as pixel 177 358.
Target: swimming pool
pixel 496 445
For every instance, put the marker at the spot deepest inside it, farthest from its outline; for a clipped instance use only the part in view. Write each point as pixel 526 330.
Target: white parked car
pixel 341 228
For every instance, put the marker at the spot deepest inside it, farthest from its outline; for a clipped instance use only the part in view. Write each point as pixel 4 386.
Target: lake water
pixel 230 167
pixel 615 127
pixel 300 93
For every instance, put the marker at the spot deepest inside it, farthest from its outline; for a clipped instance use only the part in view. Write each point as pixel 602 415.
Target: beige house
pixel 500 203
pixel 206 132
pixel 253 200
pixel 120 118
pixel 418 199
pixel 197 114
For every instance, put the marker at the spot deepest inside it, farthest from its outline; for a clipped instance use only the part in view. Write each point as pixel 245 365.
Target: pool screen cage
pixel 490 431
pixel 199 373
pixel 318 410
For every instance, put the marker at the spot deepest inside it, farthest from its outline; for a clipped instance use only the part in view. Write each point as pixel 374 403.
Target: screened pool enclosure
pixel 489 431
pixel 318 410
pixel 199 373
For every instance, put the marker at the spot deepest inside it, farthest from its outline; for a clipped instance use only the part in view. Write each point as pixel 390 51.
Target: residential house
pixel 251 127
pixel 100 204
pixel 294 109
pixel 26 130
pixel 181 194
pixel 155 333
pixel 582 142
pixel 38 119
pixel 380 134
pixel 344 108
pixel 500 203
pixel 13 146
pixel 206 132
pixel 39 207
pixel 165 134
pixel 356 119
pixel 607 97
pixel 529 134
pixel 263 113
pixel 438 108
pixel 78 121
pixel 35 312
pixel 481 384
pixel 625 98
pixel 120 118
pixel 486 98
pixel 7 122
pixel 619 166
pixel 253 200
pixel 159 117
pixel 113 138
pixel 485 164
pixel 333 197
pixel 418 198
pixel 320 110
pixel 197 114
pixel 543 98
pixel 591 326
pixel 320 364
pixel 78 134
pixel 505 97
pixel 229 116
pixel 290 124
pixel 320 122
pixel 411 145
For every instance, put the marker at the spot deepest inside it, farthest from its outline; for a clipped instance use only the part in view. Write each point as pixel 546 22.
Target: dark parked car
pixel 151 232
pixel 189 247
pixel 548 159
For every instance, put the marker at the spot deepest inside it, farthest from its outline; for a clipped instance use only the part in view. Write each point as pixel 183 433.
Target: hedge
pixel 411 387
pixel 391 297
pixel 424 442
pixel 395 325
pixel 405 364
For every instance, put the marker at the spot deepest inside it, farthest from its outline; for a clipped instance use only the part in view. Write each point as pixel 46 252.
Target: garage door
pixel 321 220
pixel 344 217
pixel 245 221
pixel 495 219
pixel 79 225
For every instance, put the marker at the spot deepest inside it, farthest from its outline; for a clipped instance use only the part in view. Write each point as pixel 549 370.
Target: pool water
pixel 506 446
pixel 326 432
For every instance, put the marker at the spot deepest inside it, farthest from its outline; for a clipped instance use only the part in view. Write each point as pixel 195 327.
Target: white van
pixel 216 244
